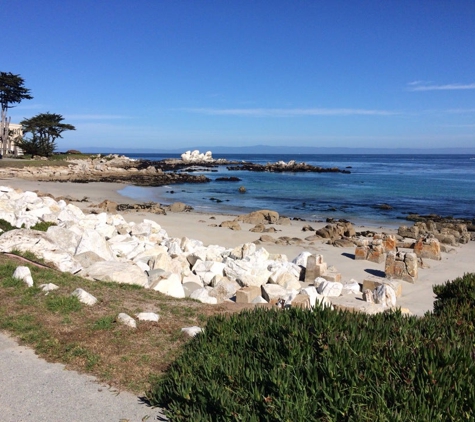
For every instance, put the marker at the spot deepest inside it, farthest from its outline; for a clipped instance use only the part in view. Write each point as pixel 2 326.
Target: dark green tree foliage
pixel 44 128
pixel 323 365
pixel 12 91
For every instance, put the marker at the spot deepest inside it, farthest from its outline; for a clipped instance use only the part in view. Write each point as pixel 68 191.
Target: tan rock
pixel 233 225
pixel 428 248
pixel 301 301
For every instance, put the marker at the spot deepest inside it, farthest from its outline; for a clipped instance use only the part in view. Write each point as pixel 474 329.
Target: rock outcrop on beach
pixel 112 168
pixel 447 231
pixel 197 157
pixel 105 247
pixel 281 167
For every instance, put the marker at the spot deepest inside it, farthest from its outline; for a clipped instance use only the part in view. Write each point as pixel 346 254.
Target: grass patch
pixel 63 304
pixel 5 225
pixel 104 323
pixel 88 339
pixel 42 226
pixel 56 160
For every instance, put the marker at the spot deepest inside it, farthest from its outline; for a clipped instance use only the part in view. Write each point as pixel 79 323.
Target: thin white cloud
pixel 97 117
pixel 419 83
pixel 460 111
pixel 423 86
pixel 283 112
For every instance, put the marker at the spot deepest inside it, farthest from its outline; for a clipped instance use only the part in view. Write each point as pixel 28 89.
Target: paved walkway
pixel 33 390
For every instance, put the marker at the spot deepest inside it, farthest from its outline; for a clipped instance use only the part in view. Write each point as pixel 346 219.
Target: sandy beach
pixel 418 297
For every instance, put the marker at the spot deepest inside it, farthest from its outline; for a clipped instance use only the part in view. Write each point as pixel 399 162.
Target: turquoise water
pixel 423 184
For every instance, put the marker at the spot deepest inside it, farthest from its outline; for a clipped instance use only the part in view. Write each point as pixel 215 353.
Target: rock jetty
pixel 281 166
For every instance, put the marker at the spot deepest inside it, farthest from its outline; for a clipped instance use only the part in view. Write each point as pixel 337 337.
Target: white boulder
pixel 24 274
pixel 330 289
pixel 119 272
pixel 148 316
pixel 127 320
pixel 84 297
pixel 191 331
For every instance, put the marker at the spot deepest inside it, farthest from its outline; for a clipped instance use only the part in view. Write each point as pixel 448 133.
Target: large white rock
pixel 127 320
pixel 66 239
pixel 301 259
pixel 179 265
pixel 203 296
pixel 63 261
pixel 352 287
pixel 385 295
pixel 241 251
pixel 204 267
pixel 39 244
pixel 21 240
pixel 84 297
pixel 330 289
pixel 119 272
pixel 192 278
pixel 94 242
pixel 170 286
pixel 246 273
pixel 174 247
pixel 86 259
pixel 274 292
pixel 191 331
pixel 224 289
pixel 24 274
pixel 122 249
pixel 48 287
pixel 215 253
pixel 106 230
pixel 38 213
pixel 148 316
pixel 150 253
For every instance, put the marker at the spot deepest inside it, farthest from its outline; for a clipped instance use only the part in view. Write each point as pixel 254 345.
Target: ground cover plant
pixel 88 339
pixel 324 365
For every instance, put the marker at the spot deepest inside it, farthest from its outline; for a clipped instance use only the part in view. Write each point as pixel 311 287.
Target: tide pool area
pixel 380 189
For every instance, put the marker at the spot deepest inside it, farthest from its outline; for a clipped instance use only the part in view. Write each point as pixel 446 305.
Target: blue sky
pixel 177 74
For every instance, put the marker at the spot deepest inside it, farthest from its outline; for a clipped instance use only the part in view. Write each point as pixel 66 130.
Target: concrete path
pixel 33 390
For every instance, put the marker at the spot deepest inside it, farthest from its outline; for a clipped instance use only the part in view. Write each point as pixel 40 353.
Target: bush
pixel 323 365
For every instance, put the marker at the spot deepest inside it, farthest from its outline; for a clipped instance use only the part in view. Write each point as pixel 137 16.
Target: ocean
pixel 380 189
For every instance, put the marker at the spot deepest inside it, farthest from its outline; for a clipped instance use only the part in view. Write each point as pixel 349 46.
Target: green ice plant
pixel 324 365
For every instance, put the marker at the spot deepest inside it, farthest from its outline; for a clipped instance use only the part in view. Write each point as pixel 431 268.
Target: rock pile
pixel 402 266
pixel 375 249
pixel 105 247
pixel 446 231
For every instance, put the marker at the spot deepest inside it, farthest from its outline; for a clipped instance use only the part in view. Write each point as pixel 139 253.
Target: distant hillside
pixel 267 149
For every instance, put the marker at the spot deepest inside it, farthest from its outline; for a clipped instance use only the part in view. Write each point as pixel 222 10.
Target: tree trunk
pixel 4 133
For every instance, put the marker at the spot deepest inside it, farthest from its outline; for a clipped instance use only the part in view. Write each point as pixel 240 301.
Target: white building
pixel 11 148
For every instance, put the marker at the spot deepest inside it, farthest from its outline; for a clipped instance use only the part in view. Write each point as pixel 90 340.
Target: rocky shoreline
pixel 110 169
pixel 121 169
